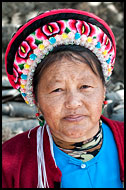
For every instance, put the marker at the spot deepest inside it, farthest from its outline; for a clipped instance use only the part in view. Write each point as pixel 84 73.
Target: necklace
pixel 85 150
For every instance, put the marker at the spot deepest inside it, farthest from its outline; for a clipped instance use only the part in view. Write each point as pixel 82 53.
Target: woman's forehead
pixel 65 69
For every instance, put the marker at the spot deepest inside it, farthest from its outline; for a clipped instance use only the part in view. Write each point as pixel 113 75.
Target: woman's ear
pixel 104 92
pixel 39 109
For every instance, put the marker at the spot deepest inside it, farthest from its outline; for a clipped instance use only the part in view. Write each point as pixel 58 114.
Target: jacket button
pixel 83 165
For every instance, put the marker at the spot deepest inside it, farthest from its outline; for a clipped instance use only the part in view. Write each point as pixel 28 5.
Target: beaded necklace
pixel 85 150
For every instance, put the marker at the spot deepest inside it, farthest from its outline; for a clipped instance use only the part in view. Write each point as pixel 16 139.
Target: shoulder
pixel 18 157
pixel 117 127
pixel 113 123
pixel 15 148
pixel 19 140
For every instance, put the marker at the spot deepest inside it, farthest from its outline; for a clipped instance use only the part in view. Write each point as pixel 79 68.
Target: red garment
pixel 19 158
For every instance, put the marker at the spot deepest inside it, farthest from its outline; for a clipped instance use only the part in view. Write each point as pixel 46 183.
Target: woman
pixel 60 61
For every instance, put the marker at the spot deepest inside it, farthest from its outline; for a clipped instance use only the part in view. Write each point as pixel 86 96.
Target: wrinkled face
pixel 70 96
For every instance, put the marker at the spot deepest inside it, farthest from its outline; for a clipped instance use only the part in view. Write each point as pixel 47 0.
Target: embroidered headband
pixel 35 39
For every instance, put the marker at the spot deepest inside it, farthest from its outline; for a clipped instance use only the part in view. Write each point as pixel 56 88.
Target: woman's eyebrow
pixel 53 82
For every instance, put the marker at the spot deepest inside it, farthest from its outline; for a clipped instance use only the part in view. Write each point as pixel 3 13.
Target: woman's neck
pixel 71 145
pixel 85 150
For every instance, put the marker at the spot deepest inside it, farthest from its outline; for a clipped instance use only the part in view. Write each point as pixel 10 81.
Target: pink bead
pixel 29 62
pixel 25 98
pixel 83 38
pixel 23 90
pixel 23 81
pixel 94 41
pixel 25 71
pixel 58 38
pixel 71 35
pixel 106 57
pixel 36 51
pixel 102 48
pixel 46 43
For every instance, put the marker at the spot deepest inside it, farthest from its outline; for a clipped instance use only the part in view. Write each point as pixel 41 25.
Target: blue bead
pixel 98 45
pixel 108 61
pixel 108 78
pixel 24 77
pixel 52 40
pixel 33 57
pixel 77 36
pixel 23 94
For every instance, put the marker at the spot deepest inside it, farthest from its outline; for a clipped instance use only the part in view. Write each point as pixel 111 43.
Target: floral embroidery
pixel 25 49
pixel 50 29
pixel 79 26
pixel 16 75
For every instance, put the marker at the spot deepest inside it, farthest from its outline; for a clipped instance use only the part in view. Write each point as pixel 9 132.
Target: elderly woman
pixel 60 61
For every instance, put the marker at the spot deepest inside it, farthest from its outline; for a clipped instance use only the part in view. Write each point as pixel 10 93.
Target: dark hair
pixel 68 51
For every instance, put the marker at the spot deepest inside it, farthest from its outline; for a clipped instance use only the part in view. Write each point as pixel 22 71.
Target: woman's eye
pixel 85 86
pixel 57 90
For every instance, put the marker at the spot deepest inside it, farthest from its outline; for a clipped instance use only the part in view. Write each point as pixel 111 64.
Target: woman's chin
pixel 74 134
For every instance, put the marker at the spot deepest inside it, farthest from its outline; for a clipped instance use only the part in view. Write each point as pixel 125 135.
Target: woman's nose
pixel 73 101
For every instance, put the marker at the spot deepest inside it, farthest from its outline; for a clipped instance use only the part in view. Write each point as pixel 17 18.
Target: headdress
pixel 35 39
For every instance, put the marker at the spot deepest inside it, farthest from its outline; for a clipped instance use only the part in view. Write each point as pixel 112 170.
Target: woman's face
pixel 70 96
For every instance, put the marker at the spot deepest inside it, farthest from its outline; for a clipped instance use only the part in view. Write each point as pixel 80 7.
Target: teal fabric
pixel 102 171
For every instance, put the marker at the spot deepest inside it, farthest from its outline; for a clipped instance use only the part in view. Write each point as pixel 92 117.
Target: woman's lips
pixel 74 118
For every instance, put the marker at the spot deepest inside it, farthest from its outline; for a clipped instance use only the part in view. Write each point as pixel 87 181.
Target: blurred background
pixel 17 116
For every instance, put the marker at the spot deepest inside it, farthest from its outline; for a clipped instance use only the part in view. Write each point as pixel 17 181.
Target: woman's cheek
pixel 97 107
pixel 94 103
pixel 51 109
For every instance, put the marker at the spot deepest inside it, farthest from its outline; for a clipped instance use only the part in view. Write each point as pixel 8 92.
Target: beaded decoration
pixel 63 32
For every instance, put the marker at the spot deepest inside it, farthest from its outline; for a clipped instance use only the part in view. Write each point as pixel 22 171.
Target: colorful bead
pixel 94 41
pixel 23 81
pixel 109 69
pixel 33 56
pixel 58 38
pixel 26 102
pixel 77 36
pixel 23 86
pixel 64 36
pixel 89 39
pixel 26 66
pixel 104 52
pixel 83 38
pixel 37 114
pixel 52 40
pixel 23 90
pixel 25 71
pixel 36 51
pixel 46 43
pixel 24 77
pixel 71 35
pixel 23 94
pixel 29 62
pixel 108 61
pixel 98 45
pixel 41 46
pixel 105 102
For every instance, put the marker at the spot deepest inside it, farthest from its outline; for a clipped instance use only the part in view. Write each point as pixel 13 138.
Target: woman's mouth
pixel 74 118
